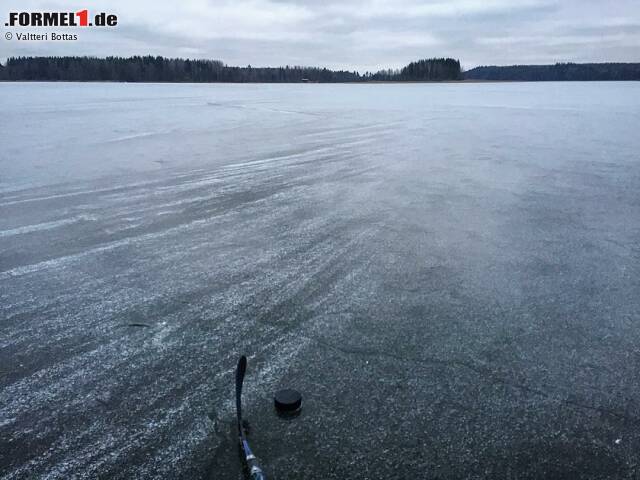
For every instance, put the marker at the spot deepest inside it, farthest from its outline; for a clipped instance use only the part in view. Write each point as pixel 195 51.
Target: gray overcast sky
pixel 360 34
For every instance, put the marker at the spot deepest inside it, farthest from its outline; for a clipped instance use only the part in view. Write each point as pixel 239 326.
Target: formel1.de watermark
pixel 79 19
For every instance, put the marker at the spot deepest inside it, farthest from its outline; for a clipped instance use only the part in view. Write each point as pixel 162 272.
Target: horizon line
pixel 4 61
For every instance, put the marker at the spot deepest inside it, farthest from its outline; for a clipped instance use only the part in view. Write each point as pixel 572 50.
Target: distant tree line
pixel 160 69
pixel 557 72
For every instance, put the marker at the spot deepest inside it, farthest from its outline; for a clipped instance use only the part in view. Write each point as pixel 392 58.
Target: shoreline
pixel 371 82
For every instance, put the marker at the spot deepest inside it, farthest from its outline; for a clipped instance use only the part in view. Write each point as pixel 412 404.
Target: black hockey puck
pixel 287 400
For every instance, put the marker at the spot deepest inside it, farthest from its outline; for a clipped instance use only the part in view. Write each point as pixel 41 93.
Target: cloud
pixel 360 34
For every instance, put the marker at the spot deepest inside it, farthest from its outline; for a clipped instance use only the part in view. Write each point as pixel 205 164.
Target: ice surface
pixel 449 273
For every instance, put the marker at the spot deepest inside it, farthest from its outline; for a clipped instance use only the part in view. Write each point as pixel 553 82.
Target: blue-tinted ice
pixel 449 273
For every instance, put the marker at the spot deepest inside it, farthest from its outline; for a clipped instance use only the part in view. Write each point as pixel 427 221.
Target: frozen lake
pixel 449 273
